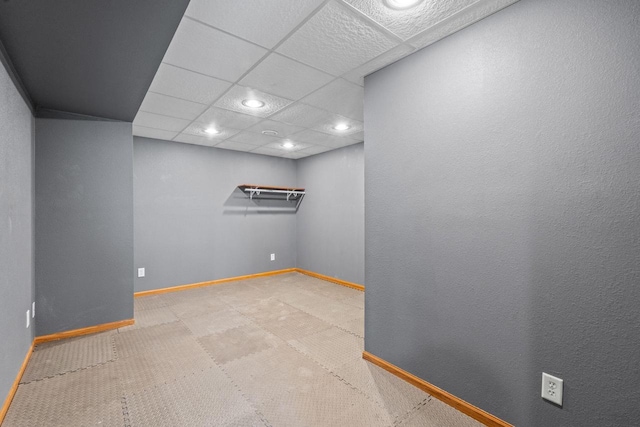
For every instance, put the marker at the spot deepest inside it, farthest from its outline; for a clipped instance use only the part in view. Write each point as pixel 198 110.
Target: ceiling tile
pixel 206 50
pixel 237 146
pixel 318 138
pixel 172 107
pixel 197 140
pixel 185 84
pixel 225 118
pixel 296 146
pixel 409 22
pixel 264 22
pixel 153 133
pixel 380 61
pixel 199 129
pixel 295 155
pixel 283 129
pixel 254 138
pixel 302 115
pixel 285 77
pixel 458 21
pixel 232 100
pixel 157 121
pixel 359 136
pixel 268 151
pixel 315 149
pixel 327 127
pixel 339 96
pixel 336 40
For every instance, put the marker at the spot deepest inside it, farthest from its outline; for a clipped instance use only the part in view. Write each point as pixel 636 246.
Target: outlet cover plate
pixel 141 272
pixel 552 388
pixel 273 257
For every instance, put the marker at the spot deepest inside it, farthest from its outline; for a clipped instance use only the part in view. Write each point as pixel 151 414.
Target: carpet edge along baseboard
pixel 16 382
pixel 83 331
pixel 442 395
pixel 247 277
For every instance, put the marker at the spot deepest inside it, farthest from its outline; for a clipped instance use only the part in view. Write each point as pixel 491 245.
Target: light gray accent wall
pixel 503 238
pixel 84 223
pixel 193 225
pixel 16 230
pixel 331 217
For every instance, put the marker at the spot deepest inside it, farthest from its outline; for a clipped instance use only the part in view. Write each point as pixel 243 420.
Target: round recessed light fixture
pixel 342 126
pixel 211 131
pixel 253 103
pixel 288 145
pixel 401 4
pixel 270 132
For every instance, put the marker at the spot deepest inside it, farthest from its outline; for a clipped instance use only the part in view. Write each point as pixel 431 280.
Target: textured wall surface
pixel 16 230
pixel 193 225
pixel 504 239
pixel 84 223
pixel 331 217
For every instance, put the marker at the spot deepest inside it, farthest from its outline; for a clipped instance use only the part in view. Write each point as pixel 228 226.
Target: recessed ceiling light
pixel 211 131
pixel 270 132
pixel 342 126
pixel 288 145
pixel 401 4
pixel 253 103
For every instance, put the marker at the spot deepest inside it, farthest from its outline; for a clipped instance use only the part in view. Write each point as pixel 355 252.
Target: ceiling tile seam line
pixel 224 93
pixel 270 50
pixel 450 18
pixel 163 115
pixel 174 97
pixel 262 119
pixel 246 73
pixel 194 71
pixel 412 48
pixel 212 105
pixel 228 90
pixel 295 30
pixel 256 64
pixel 371 21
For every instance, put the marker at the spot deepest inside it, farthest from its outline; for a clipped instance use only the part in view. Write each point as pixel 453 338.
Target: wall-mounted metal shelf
pixel 289 194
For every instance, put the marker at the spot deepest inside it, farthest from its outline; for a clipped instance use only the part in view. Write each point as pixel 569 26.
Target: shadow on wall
pixel 239 203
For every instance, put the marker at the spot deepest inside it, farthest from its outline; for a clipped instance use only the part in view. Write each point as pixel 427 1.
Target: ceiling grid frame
pixel 309 140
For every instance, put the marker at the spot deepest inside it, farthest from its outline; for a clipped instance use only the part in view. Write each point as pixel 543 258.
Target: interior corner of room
pixel 492 210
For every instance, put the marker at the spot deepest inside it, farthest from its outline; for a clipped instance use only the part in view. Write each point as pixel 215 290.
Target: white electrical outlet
pixel 141 272
pixel 33 309
pixel 28 318
pixel 273 257
pixel 552 388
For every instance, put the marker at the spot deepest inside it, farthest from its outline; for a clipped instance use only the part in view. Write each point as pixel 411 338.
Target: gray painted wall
pixel 330 237
pixel 16 230
pixel 84 223
pixel 503 240
pixel 193 225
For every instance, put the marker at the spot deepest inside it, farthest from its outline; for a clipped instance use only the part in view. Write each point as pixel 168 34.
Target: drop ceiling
pixel 305 59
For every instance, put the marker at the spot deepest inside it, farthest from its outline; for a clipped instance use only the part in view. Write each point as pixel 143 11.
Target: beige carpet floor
pixel 276 351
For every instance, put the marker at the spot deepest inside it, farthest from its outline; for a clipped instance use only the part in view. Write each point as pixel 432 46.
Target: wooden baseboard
pixel 448 398
pixel 211 283
pixel 14 387
pixel 83 331
pixel 331 279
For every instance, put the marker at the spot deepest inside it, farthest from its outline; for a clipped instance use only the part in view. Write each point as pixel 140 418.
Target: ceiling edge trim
pixel 15 78
pixel 47 113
